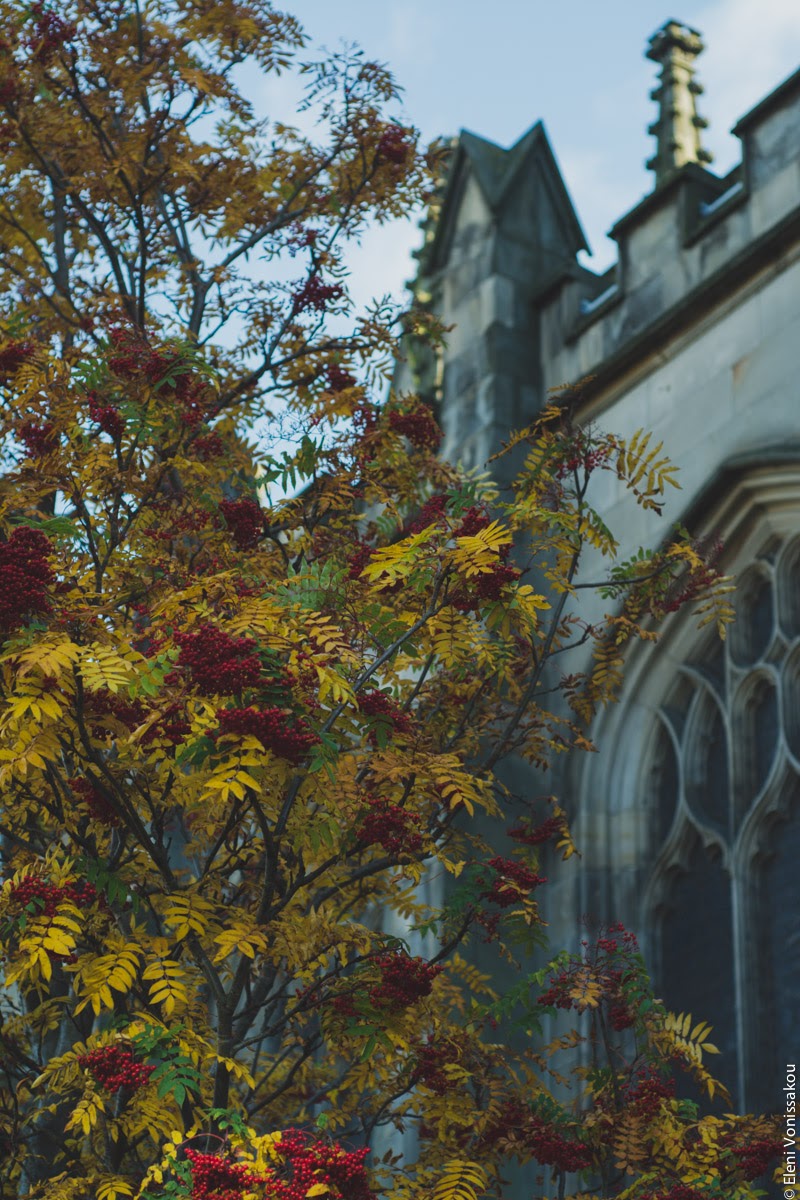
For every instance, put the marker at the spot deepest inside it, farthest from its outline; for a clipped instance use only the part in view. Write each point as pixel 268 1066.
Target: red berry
pixel 107 416
pixel 116 1066
pixel 337 379
pixel 316 295
pixel 14 355
pixel 37 439
pixel 24 578
pixel 218 663
pixel 394 145
pixel 245 520
pixel 419 426
pixel 287 738
pixel 391 827
pixel 377 704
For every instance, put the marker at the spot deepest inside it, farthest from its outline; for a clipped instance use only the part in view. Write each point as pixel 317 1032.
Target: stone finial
pixel 677 130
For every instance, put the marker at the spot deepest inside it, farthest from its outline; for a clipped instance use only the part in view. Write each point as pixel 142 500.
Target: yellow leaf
pixel 460 1181
pixel 109 1189
pixel 85 1113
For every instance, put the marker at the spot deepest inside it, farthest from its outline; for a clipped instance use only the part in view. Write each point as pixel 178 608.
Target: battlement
pixel 682 250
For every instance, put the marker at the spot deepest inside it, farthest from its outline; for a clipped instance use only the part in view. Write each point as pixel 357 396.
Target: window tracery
pixel 723 782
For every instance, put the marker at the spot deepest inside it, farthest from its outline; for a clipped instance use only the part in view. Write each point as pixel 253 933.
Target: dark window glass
pixel 696 967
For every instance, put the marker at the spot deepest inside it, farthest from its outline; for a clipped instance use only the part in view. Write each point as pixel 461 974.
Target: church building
pixel 688 817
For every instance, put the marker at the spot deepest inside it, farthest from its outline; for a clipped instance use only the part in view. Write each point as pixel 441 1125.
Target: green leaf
pixel 194 754
pixel 226 1118
pixel 60 527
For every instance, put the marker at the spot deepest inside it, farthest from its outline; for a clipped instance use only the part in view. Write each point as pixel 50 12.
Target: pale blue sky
pixel 497 66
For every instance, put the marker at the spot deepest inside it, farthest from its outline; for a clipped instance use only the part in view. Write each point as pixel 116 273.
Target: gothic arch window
pixel 689 817
pixel 723 784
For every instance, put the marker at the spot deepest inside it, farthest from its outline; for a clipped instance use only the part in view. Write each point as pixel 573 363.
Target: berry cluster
pixel 46 897
pixel 358 559
pixel 24 577
pixel 343 1003
pixel 107 416
pixel 392 827
pixel 316 295
pixel 548 829
pixel 616 939
pixel 288 740
pixel 337 379
pixel 755 1160
pixel 582 455
pixel 218 663
pixel 218 1178
pixel 620 1016
pixel 208 446
pixel 365 419
pixel 613 954
pixel 100 706
pixel 9 91
pixel 553 1148
pixel 307 1163
pixel 177 523
pixel 195 397
pixel 419 426
pixel 37 439
pixel 472 522
pixel 404 981
pixel 245 520
pixel 116 1066
pixel 300 238
pixel 210 564
pixel 132 356
pixel 431 1059
pixel 49 33
pixel 431 513
pixel 382 707
pixel 547 1141
pixel 486 588
pixel 173 727
pixel 559 993
pixel 512 882
pixel 99 808
pixel 645 1092
pixel 14 355
pixel 680 595
pixel 490 586
pixel 611 961
pixel 394 145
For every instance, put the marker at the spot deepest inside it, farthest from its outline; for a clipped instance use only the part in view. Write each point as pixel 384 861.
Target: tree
pixel 237 734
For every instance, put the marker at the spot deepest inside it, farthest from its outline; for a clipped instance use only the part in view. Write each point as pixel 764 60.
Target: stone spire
pixel 677 130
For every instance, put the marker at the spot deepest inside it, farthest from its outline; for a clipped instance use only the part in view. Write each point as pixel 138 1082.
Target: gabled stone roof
pixel 529 162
